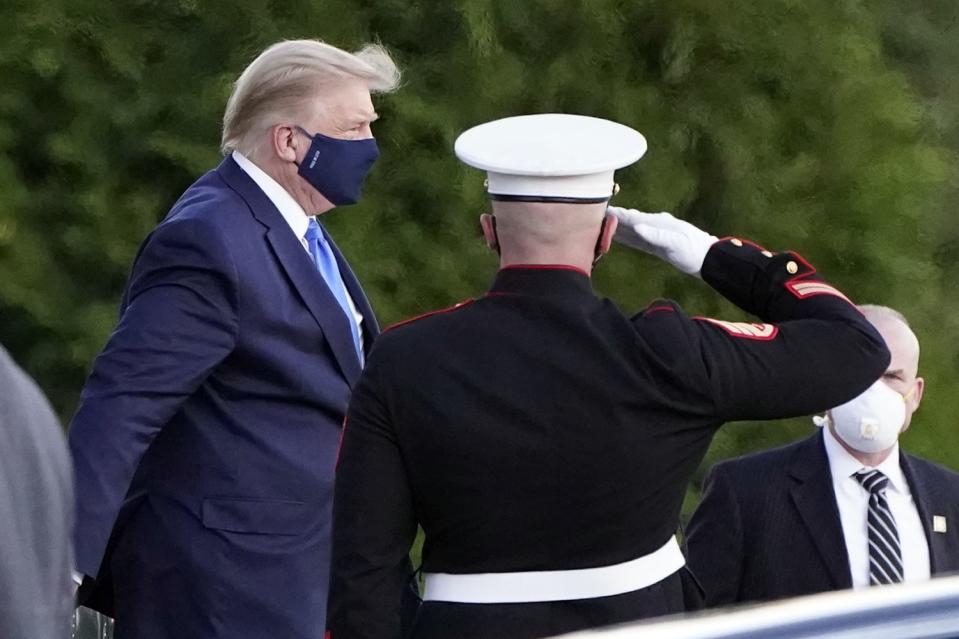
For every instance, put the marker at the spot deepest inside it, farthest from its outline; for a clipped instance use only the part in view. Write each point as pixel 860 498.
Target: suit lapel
pixel 371 328
pixel 925 496
pixel 307 281
pixel 814 498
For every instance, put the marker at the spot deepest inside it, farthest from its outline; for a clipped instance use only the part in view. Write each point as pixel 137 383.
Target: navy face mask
pixel 338 168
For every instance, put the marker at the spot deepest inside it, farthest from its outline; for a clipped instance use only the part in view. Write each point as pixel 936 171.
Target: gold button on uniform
pixel 767 254
pixel 792 267
pixel 736 241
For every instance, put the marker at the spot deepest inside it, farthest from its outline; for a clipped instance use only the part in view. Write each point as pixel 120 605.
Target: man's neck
pixel 294 185
pixel 564 258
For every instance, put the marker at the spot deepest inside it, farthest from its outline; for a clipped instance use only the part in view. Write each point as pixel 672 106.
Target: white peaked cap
pixel 550 156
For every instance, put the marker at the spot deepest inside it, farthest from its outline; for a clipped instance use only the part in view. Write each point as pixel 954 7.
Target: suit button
pixel 792 267
pixel 736 241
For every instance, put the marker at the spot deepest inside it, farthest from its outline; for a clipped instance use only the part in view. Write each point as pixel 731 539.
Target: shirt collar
pixel 543 280
pixel 843 465
pixel 292 212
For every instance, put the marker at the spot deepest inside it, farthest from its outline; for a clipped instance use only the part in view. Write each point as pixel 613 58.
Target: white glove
pixel 660 234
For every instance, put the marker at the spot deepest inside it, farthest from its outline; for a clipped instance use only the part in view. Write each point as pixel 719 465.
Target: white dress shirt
pixel 294 215
pixel 853 502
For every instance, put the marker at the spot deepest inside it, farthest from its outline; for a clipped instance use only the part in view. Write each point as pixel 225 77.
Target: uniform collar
pixel 545 280
pixel 842 464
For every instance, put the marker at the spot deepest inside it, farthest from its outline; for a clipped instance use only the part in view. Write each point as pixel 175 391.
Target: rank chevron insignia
pixel 744 329
pixel 803 289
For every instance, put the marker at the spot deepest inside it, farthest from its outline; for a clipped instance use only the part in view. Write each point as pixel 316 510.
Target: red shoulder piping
pixel 429 314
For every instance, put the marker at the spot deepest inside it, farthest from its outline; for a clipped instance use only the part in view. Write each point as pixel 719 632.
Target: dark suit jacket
pixel 768 526
pixel 36 512
pixel 207 432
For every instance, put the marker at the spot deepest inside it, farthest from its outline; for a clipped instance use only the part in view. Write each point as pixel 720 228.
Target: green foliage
pixel 828 126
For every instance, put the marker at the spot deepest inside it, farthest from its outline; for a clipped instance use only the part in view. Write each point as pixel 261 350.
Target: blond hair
pixel 283 79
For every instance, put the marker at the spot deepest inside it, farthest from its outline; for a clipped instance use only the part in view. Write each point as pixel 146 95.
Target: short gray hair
pixel 877 311
pixel 280 81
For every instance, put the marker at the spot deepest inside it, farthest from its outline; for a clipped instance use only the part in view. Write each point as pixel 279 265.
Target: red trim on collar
pixel 455 307
pixel 544 267
pixel 659 309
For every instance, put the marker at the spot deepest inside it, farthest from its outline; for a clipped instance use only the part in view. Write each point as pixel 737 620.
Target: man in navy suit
pixel 206 436
pixel 803 518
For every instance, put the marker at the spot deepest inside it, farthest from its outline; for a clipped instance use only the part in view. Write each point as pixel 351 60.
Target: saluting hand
pixel 660 234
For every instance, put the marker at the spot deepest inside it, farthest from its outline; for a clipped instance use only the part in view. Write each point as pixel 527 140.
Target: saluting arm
pixel 179 320
pixel 373 521
pixel 812 351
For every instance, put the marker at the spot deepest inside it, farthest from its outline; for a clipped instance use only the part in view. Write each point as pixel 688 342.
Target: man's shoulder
pixel 208 213
pixel 775 460
pixel 930 470
pixel 416 336
pixel 209 200
pixel 425 322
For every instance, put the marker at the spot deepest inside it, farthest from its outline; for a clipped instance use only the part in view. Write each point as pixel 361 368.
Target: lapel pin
pixel 939 523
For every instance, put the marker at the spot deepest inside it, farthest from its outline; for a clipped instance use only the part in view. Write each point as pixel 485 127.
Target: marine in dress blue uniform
pixel 544 439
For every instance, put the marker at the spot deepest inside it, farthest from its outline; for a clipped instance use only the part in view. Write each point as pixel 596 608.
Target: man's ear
pixel 917 395
pixel 488 224
pixel 284 140
pixel 609 230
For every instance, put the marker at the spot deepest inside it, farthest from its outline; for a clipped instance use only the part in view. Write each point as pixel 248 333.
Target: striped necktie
pixel 326 264
pixel 885 554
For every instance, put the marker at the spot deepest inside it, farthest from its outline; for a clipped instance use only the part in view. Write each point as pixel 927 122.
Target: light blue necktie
pixel 326 263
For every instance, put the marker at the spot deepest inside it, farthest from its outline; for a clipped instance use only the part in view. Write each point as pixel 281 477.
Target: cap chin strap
pixel 495 235
pixel 598 249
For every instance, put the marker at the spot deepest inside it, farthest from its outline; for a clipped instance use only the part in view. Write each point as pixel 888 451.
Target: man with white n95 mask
pixel 844 508
pixel 542 438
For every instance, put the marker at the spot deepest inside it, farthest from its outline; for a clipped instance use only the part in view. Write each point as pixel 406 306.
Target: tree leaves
pixel 824 126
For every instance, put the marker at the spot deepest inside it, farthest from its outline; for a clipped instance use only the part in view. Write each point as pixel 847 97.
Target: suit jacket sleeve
pixel 814 349
pixel 714 541
pixel 373 519
pixel 179 319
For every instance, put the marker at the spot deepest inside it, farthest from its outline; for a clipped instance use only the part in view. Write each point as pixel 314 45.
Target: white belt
pixel 556 585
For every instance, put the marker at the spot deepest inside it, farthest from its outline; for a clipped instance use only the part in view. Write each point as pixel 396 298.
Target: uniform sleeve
pixel 714 541
pixel 812 350
pixel 178 321
pixel 373 521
